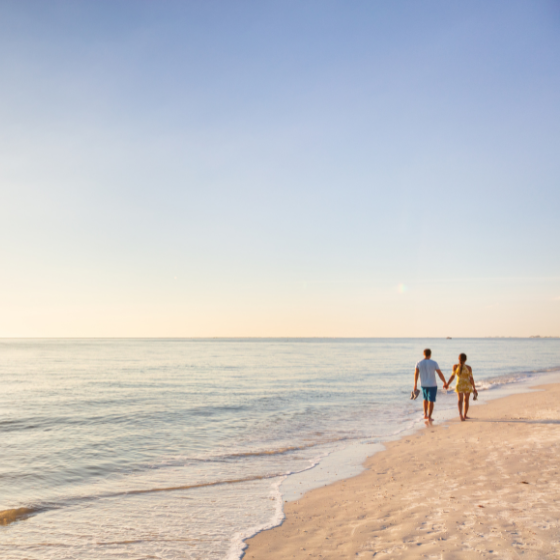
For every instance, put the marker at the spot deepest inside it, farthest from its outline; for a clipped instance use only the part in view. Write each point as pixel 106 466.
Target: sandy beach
pixel 485 488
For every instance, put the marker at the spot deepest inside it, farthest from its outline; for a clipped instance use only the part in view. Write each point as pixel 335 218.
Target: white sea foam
pixel 238 545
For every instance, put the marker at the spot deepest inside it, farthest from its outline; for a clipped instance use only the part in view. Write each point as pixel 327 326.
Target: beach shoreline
pixel 483 488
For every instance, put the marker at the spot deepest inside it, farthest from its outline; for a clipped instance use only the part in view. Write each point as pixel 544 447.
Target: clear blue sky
pixel 256 168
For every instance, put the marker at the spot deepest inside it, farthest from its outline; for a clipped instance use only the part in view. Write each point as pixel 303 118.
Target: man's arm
pixel 416 374
pixel 442 378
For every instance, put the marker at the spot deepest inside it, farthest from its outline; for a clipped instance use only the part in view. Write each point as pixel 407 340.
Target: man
pixel 426 369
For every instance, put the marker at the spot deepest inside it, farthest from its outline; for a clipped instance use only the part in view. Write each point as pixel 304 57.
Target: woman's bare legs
pixel 466 406
pixel 460 405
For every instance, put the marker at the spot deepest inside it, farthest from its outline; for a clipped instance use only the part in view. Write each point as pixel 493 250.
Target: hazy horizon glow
pixel 218 169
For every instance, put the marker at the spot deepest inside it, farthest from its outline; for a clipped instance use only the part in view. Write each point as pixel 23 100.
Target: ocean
pixel 182 448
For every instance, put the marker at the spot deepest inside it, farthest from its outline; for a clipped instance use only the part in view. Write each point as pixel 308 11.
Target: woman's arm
pixel 472 380
pixel 452 375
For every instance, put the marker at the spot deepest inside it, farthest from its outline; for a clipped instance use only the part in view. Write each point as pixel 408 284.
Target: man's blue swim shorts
pixel 429 393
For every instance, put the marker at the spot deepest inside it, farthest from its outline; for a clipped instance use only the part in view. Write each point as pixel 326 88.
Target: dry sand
pixel 485 488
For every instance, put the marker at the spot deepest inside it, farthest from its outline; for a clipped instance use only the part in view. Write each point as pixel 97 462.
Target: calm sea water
pixel 174 449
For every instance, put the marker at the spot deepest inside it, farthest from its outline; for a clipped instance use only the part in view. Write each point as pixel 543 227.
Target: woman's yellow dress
pixel 463 375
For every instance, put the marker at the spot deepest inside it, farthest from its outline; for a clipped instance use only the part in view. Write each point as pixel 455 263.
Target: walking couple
pixel 426 369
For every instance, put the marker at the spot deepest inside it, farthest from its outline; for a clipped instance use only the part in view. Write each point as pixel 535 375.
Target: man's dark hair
pixel 427 352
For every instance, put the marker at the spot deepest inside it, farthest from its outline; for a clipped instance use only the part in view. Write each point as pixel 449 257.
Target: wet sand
pixel 485 488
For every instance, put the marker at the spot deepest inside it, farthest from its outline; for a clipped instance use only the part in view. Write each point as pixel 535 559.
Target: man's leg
pixel 426 409
pixel 430 409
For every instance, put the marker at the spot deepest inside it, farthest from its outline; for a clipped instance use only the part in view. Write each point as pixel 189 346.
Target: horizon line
pixel 534 337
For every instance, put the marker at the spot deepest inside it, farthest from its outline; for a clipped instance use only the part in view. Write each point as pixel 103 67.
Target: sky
pixel 279 169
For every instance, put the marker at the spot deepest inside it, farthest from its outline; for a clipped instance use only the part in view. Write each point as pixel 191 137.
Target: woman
pixel 465 385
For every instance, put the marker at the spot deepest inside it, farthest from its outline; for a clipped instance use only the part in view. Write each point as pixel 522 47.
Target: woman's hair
pixel 462 360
